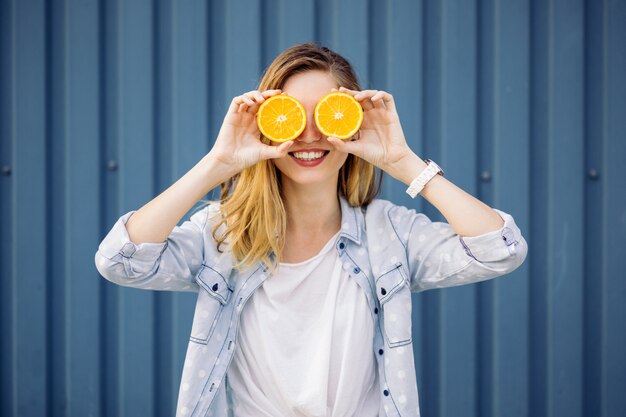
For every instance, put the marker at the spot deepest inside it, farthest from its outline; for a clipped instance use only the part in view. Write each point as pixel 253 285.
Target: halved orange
pixel 281 118
pixel 338 114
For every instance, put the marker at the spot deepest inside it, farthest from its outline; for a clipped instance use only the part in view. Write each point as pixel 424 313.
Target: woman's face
pixel 309 87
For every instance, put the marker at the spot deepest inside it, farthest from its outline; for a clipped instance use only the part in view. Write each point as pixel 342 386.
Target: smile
pixel 309 159
pixel 308 156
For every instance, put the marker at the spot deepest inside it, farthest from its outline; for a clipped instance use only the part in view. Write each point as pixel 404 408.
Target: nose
pixel 310 134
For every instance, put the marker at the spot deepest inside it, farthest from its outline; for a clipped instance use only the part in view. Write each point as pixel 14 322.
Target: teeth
pixel 308 156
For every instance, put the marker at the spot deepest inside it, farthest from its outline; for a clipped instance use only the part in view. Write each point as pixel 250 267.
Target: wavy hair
pixel 252 212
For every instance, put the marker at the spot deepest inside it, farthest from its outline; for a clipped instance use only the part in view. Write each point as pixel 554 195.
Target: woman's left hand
pixel 380 141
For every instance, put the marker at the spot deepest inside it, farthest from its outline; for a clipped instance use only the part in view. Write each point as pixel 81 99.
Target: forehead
pixel 310 85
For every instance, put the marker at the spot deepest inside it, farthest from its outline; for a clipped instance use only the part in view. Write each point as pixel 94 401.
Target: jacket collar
pixel 351 220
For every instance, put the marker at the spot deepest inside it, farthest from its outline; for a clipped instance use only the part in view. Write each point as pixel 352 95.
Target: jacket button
pixel 342 245
pixel 215 287
pixel 129 249
pixel 386 393
pixel 375 310
pixel 380 351
pixel 357 270
pixel 382 291
pixel 507 236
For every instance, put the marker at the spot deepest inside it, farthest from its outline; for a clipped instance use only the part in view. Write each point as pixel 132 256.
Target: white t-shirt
pixel 306 345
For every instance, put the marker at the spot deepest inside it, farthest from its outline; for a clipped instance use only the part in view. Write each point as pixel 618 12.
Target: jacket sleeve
pixel 170 265
pixel 438 257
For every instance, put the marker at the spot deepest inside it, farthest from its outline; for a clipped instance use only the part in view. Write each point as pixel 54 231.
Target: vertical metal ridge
pixel 210 75
pixel 217 57
pixel 549 403
pixel 111 404
pixel 537 256
pixel 509 186
pixel 387 45
pixel 136 321
pixel 156 97
pixel 432 343
pixel 316 20
pixel 49 281
pixel 566 281
pixel 263 29
pixel 102 212
pixel 484 134
pixel 29 214
pixel 371 61
pixel 614 220
pixel 7 159
pixel 594 244
pixel 378 75
pixel 12 256
pixel 160 400
pixel 424 99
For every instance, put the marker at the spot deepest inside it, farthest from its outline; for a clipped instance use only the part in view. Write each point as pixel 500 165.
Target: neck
pixel 312 208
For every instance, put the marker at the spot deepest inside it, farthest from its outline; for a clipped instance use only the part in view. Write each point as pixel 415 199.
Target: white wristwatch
pixel 417 185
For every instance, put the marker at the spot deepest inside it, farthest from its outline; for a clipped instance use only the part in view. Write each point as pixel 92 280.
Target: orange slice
pixel 338 114
pixel 281 118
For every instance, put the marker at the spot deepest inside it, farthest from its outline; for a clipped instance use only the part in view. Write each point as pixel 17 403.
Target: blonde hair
pixel 252 208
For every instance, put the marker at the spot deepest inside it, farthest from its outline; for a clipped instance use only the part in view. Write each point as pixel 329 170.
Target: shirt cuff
pixel 117 242
pixel 495 245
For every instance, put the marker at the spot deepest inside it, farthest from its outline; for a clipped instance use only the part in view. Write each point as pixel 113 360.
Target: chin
pixel 308 179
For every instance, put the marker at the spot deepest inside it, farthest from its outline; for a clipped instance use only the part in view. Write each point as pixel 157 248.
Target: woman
pixel 304 278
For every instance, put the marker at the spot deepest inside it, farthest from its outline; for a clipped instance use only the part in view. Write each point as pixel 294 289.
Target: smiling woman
pixel 304 277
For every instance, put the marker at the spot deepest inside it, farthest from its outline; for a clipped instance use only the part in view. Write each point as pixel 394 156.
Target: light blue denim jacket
pixel 389 250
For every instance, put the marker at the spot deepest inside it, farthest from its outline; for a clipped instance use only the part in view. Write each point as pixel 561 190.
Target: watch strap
pixel 418 184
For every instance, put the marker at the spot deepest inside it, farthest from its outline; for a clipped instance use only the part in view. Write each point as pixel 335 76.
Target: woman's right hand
pixel 237 144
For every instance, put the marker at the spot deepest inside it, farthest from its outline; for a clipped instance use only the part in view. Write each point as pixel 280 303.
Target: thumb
pixel 277 151
pixel 345 145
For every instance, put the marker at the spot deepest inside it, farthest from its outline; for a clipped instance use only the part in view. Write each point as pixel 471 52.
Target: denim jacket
pixel 389 250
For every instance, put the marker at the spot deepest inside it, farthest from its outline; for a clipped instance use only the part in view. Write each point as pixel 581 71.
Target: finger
pixel 347 90
pixel 365 98
pixel 235 104
pixel 243 99
pixel 270 152
pixel 365 94
pixel 390 103
pixel 387 99
pixel 258 98
pixel 367 104
pixel 378 101
pixel 240 104
pixel 269 93
pixel 355 147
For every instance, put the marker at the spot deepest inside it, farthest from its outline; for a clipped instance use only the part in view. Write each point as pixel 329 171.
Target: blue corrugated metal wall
pixel 104 104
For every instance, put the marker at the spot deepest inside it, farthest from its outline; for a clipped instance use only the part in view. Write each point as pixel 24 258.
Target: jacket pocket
pixel 213 294
pixel 394 295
